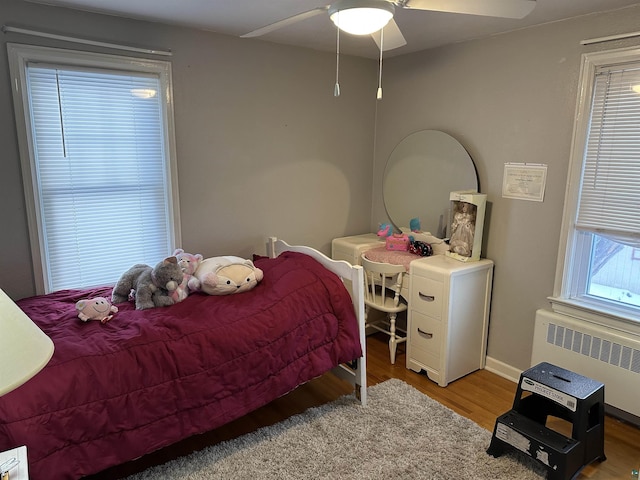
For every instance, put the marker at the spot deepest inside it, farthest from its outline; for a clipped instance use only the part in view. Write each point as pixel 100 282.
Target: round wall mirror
pixel 421 172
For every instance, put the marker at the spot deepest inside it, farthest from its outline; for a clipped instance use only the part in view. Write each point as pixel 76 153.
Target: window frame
pixel 571 276
pixel 19 56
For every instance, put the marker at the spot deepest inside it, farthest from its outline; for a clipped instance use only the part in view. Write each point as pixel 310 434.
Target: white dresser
pixel 448 318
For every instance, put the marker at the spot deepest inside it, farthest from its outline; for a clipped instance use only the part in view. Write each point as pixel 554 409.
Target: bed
pixel 116 391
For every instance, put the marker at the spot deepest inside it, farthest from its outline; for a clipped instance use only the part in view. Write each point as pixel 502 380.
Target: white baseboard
pixel 502 369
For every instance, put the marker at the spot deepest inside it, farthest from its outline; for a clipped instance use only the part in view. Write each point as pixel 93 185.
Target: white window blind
pixel 101 176
pixel 610 192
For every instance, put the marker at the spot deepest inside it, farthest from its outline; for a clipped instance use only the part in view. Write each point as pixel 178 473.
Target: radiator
pixel 603 354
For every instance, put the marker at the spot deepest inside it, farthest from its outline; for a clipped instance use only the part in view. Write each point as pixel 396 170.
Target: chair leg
pixel 393 344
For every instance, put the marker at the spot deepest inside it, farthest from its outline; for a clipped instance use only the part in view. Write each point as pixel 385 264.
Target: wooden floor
pixel 480 396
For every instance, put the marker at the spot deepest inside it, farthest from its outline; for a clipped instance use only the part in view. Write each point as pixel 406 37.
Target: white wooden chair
pixel 383 282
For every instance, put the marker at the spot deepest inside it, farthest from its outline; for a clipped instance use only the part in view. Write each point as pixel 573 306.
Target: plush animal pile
pixel 174 278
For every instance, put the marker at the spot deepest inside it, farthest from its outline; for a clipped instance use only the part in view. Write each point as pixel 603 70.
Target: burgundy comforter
pixel 113 392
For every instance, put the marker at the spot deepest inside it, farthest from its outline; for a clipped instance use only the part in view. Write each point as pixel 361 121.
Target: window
pixel 96 144
pixel 599 271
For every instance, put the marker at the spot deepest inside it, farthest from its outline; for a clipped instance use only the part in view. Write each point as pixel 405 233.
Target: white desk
pixel 448 315
pixel 21 472
pixel 352 248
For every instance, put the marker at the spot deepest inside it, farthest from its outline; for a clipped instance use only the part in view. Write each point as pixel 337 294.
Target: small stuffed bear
pixel 97 308
pixel 188 263
pixel 152 286
pixel 225 276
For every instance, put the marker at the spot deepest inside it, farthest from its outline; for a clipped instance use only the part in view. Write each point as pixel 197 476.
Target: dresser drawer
pixel 425 334
pixel 426 296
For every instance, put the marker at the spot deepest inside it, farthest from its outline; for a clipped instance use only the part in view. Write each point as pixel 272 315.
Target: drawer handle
pixel 427 298
pixel 426 334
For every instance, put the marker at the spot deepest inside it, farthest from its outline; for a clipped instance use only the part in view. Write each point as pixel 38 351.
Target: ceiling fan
pixel 365 17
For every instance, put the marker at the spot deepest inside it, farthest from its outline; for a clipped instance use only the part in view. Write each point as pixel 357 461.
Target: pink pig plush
pixel 188 263
pixel 98 308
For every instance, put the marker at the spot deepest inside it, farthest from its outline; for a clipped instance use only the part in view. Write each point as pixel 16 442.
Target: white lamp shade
pixel 24 348
pixel 361 20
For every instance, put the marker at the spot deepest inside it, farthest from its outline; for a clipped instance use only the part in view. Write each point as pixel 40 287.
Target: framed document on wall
pixel 524 181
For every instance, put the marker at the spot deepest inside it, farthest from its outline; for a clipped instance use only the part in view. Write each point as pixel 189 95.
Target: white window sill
pixel 595 313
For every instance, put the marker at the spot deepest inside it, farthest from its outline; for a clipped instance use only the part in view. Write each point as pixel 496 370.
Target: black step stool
pixel 546 390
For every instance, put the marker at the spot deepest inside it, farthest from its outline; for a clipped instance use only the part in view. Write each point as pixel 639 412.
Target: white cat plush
pixel 225 276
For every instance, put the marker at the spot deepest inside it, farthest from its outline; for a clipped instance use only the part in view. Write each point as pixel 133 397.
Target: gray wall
pixel 256 124
pixel 507 98
pixel 263 146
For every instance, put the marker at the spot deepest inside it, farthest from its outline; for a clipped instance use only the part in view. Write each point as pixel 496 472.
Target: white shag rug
pixel 400 434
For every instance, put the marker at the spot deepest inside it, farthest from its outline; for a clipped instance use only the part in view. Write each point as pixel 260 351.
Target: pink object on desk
pixel 382 255
pixel 398 242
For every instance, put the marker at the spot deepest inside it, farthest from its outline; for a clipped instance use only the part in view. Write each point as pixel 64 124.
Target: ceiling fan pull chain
pixel 336 89
pixel 379 94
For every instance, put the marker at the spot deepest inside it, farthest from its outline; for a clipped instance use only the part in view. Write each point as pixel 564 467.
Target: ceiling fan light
pixel 361 18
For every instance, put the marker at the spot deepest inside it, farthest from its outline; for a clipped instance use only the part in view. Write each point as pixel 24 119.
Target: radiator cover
pixel 603 354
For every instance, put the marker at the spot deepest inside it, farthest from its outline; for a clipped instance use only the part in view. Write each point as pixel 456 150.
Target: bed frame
pixel 355 372
pixel 178 374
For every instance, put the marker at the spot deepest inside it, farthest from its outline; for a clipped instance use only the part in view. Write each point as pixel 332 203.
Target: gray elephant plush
pixel 151 286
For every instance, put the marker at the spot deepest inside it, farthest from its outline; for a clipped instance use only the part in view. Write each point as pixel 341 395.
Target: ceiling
pixel 422 29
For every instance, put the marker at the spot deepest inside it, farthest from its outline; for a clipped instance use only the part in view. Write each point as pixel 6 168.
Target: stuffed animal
pixel 225 276
pixel 152 286
pixel 188 263
pixel 438 245
pixel 97 308
pixel 385 230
